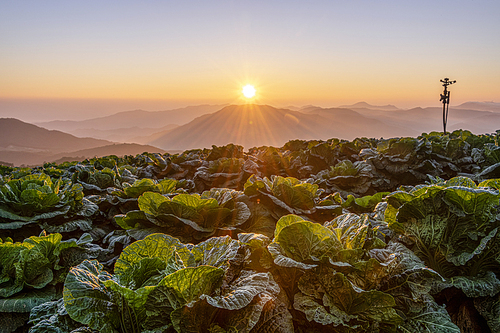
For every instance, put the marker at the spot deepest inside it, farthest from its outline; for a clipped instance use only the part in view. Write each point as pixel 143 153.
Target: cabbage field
pixel 370 235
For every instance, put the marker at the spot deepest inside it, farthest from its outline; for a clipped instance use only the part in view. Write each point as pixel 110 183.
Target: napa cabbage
pixel 453 227
pixel 186 214
pixel 37 199
pixel 289 194
pixel 339 285
pixel 160 282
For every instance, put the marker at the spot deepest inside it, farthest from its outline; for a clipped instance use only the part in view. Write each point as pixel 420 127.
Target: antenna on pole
pixel 445 98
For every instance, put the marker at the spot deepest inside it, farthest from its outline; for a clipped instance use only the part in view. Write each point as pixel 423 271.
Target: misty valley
pixel 248 125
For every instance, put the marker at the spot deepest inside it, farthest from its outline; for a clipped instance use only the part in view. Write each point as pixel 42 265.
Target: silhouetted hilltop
pixel 258 125
pixel 24 143
pixel 247 125
pixel 18 135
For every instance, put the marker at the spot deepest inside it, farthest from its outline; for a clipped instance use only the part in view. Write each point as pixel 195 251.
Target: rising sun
pixel 248 91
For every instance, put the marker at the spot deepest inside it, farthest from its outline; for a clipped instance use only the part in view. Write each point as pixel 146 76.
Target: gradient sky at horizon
pixel 178 53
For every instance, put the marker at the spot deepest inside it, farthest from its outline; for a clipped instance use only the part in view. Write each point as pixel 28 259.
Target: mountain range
pixel 128 125
pixel 256 125
pixel 206 125
pixel 364 105
pixel 28 144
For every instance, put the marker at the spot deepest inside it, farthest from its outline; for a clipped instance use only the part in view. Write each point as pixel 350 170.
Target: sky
pixel 78 59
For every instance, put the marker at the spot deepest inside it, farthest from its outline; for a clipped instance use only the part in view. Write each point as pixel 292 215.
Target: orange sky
pixel 324 52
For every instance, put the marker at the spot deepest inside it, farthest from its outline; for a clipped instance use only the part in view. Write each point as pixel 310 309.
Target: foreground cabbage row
pixel 398 235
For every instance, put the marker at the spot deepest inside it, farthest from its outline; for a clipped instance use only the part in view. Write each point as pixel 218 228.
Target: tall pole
pixel 445 98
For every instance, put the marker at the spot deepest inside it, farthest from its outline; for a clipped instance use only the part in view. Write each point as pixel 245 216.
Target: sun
pixel 248 91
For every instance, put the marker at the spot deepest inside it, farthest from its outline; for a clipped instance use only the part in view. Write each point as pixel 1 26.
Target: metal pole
pixel 444 110
pixel 445 97
pixel 447 106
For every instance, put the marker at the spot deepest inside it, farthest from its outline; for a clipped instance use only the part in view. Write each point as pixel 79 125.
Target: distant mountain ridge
pixel 480 106
pixel 247 125
pixel 135 118
pixel 16 133
pixel 127 135
pixel 364 105
pixel 256 125
pixel 28 144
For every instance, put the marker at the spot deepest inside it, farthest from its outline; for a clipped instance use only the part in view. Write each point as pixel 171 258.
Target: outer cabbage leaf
pixel 263 314
pixel 68 226
pixel 242 291
pixel 149 202
pixel 186 216
pixel 308 242
pixel 347 305
pixel 142 262
pixel 454 227
pixel 32 263
pixel 275 316
pixel 88 300
pixel 30 194
pixel 489 308
pixel 244 319
pixel 492 183
pixel 37 199
pixel 52 317
pixel 350 229
pixel 132 219
pixel 193 317
pixel 353 177
pixel 364 204
pixel 141 186
pixel 281 259
pixel 189 283
pixel 409 281
pixel 24 302
pixel 131 303
pixel 240 305
pixel 97 180
pixel 302 244
pixel 290 194
pixel 315 311
pixel 486 284
pixel 215 251
pixel 472 201
pixel 294 193
pixel 432 318
pixel 285 221
pixel 178 293
pixel 232 200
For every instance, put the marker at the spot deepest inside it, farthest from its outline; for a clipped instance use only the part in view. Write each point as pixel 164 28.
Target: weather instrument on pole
pixel 445 98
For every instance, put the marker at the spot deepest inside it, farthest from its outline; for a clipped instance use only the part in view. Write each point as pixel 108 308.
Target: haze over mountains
pixel 248 125
pixel 257 125
pixel 128 125
pixel 364 105
pixel 254 125
pixel 28 144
